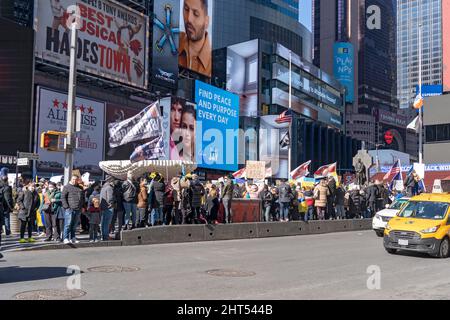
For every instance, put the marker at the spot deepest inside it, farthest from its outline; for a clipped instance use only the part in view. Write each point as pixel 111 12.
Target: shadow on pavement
pixel 19 274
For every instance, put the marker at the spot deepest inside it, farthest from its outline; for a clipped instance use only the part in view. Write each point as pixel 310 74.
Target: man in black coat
pixel 72 198
pixel 130 190
pixel 285 198
pixel 372 194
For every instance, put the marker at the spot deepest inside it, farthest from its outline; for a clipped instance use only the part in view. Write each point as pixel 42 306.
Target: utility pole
pixel 420 94
pixel 70 141
pixel 292 117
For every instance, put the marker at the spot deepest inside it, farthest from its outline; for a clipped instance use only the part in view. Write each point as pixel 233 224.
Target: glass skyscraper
pixel 409 15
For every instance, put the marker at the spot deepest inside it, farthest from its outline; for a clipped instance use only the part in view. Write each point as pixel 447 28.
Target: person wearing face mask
pixel 28 201
pixel 50 214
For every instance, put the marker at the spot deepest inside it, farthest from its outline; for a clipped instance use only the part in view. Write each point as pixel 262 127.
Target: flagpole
pixel 420 92
pixel 290 106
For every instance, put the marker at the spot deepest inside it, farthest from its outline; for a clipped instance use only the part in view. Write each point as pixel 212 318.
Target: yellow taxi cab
pixel 423 225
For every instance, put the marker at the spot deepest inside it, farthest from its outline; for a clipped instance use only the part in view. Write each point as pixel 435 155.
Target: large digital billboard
pixel 195 46
pixel 242 75
pixel 16 87
pixel 217 135
pixel 112 39
pixel 343 67
pixel 165 42
pixel 52 116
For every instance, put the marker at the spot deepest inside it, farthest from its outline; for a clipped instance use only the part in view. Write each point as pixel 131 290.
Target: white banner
pixel 51 116
pixel 112 39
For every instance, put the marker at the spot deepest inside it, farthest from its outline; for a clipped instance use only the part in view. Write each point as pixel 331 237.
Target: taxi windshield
pixel 424 210
pixel 397 205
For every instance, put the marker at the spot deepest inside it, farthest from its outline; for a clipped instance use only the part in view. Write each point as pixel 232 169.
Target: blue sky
pixel 305 13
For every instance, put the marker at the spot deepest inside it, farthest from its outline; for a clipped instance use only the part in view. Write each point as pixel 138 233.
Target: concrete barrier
pixel 193 233
pixel 172 234
pixel 231 231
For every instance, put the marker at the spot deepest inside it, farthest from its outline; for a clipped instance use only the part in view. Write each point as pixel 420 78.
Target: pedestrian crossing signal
pixel 52 140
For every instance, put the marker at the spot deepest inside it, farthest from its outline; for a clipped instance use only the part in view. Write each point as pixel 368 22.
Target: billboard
pixel 51 116
pixel 242 75
pixel 272 150
pixel 16 87
pixel 165 42
pixel 182 127
pixel 343 67
pixel 112 39
pixel 446 45
pixel 195 46
pixel 217 128
pixel 116 114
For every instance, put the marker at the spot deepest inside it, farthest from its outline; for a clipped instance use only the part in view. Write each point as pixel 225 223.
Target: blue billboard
pixel 430 90
pixel 217 133
pixel 343 67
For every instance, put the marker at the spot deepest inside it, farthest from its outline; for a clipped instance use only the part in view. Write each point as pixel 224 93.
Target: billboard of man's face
pixel 195 48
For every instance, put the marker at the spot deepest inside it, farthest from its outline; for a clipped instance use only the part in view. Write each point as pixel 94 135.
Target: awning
pixel 168 168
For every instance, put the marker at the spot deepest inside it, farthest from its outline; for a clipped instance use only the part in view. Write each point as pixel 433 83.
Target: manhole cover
pixel 50 294
pixel 113 269
pixel 230 273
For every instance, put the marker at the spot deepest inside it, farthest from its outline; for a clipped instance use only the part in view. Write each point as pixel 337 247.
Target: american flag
pixel 395 170
pixel 284 117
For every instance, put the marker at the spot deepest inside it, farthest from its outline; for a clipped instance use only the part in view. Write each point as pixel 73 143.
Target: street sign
pixel 30 156
pixel 21 162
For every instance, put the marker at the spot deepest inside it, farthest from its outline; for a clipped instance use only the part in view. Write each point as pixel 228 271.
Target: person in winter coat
pixel 142 204
pixel 72 198
pixel 8 202
pixel 108 203
pixel 285 198
pixel 321 194
pixel 411 184
pixel 176 192
pixel 185 196
pixel 226 198
pixel 267 199
pixel 212 205
pixel 331 213
pixel 309 199
pixel 372 194
pixel 355 203
pixel 94 215
pixel 197 192
pixel 340 201
pixel 28 203
pixel 168 205
pixel 159 190
pixel 50 214
pixel 130 190
pixel 59 212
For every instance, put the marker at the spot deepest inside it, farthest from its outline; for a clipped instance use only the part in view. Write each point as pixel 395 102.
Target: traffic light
pixel 52 140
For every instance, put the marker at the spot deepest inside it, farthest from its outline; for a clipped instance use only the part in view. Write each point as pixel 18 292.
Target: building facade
pixel 437 130
pixel 410 13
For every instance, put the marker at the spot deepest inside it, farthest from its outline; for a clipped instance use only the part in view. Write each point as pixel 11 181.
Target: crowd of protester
pixel 103 209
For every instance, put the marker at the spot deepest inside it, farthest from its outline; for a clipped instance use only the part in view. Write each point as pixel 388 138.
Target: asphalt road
pixel 329 266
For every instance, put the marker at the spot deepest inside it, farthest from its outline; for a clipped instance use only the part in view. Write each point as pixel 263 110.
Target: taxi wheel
pixel 444 249
pixel 380 233
pixel 391 251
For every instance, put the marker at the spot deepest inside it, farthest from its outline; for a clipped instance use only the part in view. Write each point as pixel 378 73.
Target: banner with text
pixel 51 116
pixel 217 128
pixel 112 39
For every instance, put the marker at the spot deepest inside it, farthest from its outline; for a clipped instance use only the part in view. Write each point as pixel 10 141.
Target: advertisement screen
pixel 16 70
pixel 182 126
pixel 344 68
pixel 242 76
pixel 274 145
pixel 166 34
pixel 112 39
pixel 116 114
pixel 195 51
pixel 51 116
pixel 217 128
